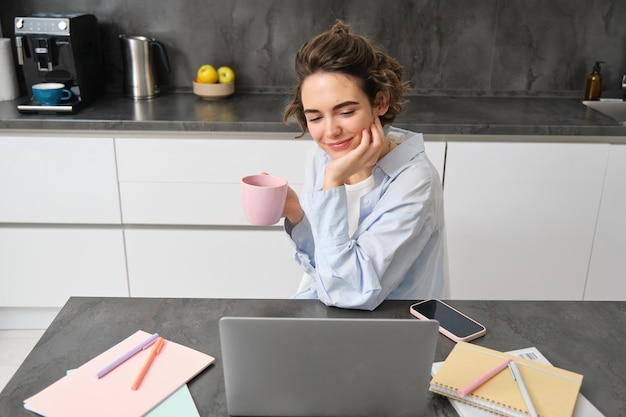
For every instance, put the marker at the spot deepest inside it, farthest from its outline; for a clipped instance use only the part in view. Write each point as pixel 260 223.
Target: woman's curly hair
pixel 338 50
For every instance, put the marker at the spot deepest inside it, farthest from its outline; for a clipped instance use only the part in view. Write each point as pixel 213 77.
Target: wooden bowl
pixel 213 91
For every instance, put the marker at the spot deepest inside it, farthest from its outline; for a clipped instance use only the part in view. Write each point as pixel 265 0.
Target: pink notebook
pixel 81 394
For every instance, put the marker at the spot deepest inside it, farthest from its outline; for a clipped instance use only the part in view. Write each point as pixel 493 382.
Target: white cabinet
pixel 43 267
pixel 58 180
pixel 521 218
pixel 228 263
pixel 607 270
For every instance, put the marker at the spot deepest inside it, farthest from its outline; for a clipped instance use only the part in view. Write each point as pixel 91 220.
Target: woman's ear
pixel 381 103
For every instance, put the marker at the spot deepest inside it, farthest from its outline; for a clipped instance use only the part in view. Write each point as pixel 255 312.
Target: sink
pixel 615 109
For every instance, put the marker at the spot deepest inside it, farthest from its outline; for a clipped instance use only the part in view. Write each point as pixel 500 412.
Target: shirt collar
pixel 408 148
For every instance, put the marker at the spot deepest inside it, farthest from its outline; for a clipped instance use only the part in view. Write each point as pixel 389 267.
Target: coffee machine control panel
pixel 59 26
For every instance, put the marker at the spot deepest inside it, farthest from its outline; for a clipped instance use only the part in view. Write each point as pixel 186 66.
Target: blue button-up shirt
pixel 398 250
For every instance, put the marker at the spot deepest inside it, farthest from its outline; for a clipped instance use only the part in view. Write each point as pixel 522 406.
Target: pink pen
pixel 471 387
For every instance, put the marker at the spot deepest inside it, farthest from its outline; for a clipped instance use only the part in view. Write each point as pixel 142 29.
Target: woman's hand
pixel 293 211
pixel 360 160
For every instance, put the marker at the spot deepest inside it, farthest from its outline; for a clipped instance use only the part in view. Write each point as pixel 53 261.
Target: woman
pixel 368 225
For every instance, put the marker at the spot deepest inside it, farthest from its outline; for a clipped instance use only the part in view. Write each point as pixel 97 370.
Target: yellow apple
pixel 207 74
pixel 226 75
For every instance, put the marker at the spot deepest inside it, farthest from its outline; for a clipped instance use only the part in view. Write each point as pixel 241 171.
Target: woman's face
pixel 337 111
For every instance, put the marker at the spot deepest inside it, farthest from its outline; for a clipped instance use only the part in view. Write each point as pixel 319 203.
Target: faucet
pixel 624 86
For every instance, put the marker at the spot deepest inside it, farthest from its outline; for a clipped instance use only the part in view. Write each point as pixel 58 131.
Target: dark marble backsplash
pixel 448 47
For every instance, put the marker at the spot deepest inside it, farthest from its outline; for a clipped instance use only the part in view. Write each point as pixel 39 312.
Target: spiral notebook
pixel 554 391
pixel 583 408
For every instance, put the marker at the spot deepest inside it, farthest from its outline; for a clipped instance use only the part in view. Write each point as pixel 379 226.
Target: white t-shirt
pixel 354 192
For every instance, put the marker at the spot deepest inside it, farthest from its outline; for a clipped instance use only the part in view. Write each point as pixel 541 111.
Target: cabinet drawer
pixel 197 181
pixel 58 180
pixel 234 263
pixel 520 218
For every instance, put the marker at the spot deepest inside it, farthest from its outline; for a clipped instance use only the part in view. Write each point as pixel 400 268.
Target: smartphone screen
pixel 452 323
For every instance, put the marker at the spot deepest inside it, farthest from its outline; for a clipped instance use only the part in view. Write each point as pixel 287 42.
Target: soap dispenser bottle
pixel 594 83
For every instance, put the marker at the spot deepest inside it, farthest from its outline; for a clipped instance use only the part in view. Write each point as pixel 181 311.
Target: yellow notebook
pixel 553 390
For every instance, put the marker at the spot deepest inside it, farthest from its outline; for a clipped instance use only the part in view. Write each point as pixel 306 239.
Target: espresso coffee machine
pixel 60 49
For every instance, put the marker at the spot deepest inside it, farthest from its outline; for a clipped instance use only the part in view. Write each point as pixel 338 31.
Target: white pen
pixel 517 376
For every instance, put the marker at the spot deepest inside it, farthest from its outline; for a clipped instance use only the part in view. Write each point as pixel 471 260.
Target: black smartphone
pixel 452 323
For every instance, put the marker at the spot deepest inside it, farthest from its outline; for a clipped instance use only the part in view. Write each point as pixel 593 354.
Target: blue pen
pixel 143 345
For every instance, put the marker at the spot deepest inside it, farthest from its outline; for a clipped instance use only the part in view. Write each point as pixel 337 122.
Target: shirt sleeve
pixel 302 237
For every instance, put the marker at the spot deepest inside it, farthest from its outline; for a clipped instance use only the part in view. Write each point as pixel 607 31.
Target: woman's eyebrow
pixel 336 107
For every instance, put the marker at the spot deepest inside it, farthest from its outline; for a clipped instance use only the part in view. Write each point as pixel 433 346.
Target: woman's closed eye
pixel 344 113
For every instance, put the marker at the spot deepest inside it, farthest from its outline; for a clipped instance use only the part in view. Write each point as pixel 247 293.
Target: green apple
pixel 207 74
pixel 226 75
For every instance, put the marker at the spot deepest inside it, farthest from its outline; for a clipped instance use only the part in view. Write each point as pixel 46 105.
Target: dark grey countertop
pixel 584 337
pixel 185 112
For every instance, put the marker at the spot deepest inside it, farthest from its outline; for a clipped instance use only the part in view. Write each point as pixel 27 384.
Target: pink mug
pixel 263 198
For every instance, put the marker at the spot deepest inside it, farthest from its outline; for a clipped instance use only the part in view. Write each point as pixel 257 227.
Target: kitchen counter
pixel 437 115
pixel 578 336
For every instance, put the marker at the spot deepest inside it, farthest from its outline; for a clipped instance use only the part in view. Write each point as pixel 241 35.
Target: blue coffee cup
pixel 51 94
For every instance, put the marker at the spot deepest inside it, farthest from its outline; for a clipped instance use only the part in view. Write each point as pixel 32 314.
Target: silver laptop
pixel 327 367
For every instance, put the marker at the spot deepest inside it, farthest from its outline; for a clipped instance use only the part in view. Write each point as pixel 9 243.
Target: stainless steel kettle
pixel 138 58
